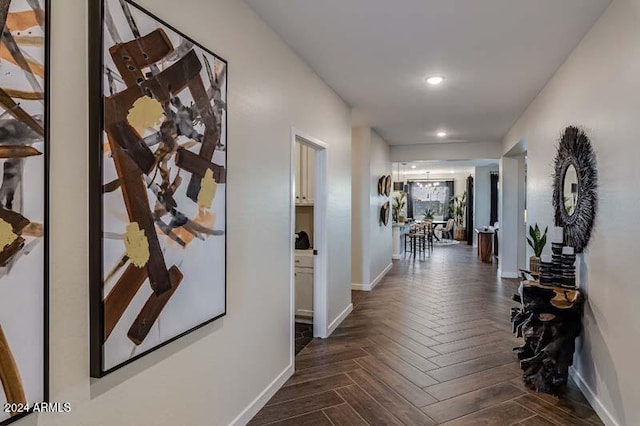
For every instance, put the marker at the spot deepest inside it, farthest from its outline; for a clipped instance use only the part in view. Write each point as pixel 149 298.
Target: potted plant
pixel 458 209
pixel 537 243
pixel 429 214
pixel 399 203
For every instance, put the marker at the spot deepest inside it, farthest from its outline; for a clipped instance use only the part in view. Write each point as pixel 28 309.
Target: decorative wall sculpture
pixel 575 185
pixel 384 213
pixel 158 182
pixel 387 185
pixel 24 140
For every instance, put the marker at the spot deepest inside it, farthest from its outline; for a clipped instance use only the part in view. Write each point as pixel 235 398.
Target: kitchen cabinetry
pixel 304 286
pixel 305 174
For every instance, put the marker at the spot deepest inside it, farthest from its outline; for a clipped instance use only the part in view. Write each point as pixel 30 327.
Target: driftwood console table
pixel 550 322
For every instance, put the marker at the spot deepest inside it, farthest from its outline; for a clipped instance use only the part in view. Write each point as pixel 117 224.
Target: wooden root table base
pixel 550 321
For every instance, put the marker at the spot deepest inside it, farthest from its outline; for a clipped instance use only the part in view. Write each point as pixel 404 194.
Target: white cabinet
pixel 305 174
pixel 304 287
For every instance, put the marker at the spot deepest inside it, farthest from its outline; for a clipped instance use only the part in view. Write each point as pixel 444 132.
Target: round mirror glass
pixel 570 190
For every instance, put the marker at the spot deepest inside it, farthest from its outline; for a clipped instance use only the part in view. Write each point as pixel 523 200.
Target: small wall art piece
pixel 381 185
pixel 24 147
pixel 384 214
pixel 159 168
pixel 387 185
pixel 575 187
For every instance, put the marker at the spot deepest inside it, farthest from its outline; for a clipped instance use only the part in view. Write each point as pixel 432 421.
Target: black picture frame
pixel 575 149
pixel 96 126
pixel 46 188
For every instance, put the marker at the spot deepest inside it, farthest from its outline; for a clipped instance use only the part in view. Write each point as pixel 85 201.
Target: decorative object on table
pixel 458 207
pixel 568 268
pixel 24 194
pixel 429 214
pixel 158 184
pixel 399 203
pixel 550 322
pixel 384 213
pixel 546 271
pixel 575 184
pixel 387 185
pixel 537 241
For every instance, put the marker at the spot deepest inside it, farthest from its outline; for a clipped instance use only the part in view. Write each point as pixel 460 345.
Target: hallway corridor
pixel 430 345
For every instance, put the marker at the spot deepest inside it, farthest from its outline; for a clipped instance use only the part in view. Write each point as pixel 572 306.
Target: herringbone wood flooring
pixel 430 345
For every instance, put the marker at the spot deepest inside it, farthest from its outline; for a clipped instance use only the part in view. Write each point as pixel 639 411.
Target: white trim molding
pixel 590 395
pixel 375 282
pixel 504 274
pixel 336 322
pixel 264 397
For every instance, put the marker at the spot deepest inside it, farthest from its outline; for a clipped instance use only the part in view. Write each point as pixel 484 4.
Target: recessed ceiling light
pixel 435 80
pixel 451 171
pixel 442 134
pixel 413 166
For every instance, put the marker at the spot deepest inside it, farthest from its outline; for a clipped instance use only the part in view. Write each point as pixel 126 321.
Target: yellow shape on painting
pixel 145 113
pixel 208 187
pixel 137 245
pixel 7 236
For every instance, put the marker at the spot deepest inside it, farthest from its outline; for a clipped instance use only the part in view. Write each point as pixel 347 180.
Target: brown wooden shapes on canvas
pixel 129 139
pixel 121 295
pixel 152 309
pixel 134 193
pixel 131 57
pixel 9 374
pixel 9 251
pixel 17 112
pixel 162 86
pixel 16 220
pixel 211 133
pixel 18 151
pixel 195 164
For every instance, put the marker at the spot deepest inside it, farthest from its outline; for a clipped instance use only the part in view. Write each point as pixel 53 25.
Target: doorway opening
pixel 308 247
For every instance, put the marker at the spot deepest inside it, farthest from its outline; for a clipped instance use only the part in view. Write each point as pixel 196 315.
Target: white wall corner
pixel 604 414
pixel 379 278
pixel 264 397
pixel 375 282
pixel 336 322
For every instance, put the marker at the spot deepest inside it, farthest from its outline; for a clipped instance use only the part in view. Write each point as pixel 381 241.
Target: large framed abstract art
pixel 158 184
pixel 24 148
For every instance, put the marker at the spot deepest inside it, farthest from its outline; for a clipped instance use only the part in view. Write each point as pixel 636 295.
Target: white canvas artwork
pixel 23 109
pixel 163 183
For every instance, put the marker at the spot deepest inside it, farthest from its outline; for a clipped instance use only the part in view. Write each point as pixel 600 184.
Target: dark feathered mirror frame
pixel 575 150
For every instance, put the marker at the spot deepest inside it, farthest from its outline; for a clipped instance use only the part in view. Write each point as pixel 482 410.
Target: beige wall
pixel 380 239
pixel 212 375
pixel 372 243
pixel 598 88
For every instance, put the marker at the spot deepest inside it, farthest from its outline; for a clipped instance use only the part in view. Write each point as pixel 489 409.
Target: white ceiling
pixel 439 168
pixel 496 56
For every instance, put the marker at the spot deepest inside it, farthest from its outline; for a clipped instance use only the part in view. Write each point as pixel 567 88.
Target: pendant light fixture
pixel 398 185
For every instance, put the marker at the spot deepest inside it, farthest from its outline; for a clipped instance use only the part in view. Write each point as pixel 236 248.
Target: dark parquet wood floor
pixel 430 345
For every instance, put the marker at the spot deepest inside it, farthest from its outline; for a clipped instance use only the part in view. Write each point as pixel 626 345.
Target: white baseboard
pixel 396 257
pixel 304 314
pixel 264 397
pixel 336 322
pixel 504 274
pixel 588 393
pixel 375 282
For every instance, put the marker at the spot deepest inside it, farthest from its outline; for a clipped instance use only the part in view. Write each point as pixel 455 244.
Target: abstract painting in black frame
pixel 158 184
pixel 24 154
